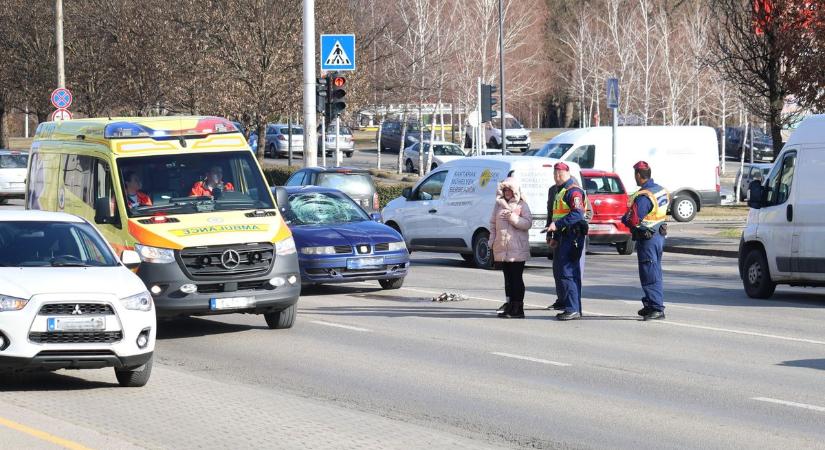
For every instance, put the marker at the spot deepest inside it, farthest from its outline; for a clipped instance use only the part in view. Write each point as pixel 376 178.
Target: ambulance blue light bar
pixel 204 127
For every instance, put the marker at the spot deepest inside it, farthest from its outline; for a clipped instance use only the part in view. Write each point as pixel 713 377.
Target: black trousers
pixel 513 281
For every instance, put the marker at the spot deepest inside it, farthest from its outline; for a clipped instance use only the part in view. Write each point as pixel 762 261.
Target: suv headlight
pixel 154 254
pixel 285 247
pixel 318 250
pixel 139 302
pixel 11 303
pixel 400 245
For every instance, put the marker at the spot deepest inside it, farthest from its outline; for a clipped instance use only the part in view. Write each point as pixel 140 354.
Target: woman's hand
pixel 505 213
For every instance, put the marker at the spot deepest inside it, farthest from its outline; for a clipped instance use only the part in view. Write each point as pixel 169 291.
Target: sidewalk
pixel 707 238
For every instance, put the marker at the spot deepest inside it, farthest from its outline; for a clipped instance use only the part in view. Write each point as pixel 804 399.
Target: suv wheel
pixel 279 320
pixel 271 151
pixel 136 377
pixel 683 209
pixel 482 253
pixel 757 275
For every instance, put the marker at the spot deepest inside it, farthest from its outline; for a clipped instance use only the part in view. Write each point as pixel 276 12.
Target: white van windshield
pixel 553 150
pixel 192 183
pixel 512 123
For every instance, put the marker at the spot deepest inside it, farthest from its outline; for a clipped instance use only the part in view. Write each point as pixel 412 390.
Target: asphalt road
pixel 392 369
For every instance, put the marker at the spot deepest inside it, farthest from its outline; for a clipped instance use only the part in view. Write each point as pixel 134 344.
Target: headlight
pixel 318 250
pixel 285 247
pixel 11 303
pixel 400 245
pixel 139 302
pixel 154 254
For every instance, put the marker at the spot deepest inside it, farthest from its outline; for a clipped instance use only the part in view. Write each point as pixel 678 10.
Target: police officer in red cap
pixel 647 211
pixel 569 228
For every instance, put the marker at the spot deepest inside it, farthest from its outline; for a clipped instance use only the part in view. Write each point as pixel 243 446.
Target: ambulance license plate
pixel 76 323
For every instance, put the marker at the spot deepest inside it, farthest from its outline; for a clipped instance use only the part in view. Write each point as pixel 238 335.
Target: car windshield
pixel 331 130
pixel 322 208
pixel 552 150
pixel 349 183
pixel 512 124
pixel 192 183
pixel 46 244
pixel 445 150
pixel 295 131
pixel 603 185
pixel 13 161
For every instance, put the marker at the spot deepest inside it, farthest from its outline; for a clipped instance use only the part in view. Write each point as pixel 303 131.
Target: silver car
pixel 346 144
pixel 12 175
pixel 756 171
pixel 277 140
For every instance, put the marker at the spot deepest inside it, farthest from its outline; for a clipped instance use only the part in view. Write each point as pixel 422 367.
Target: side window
pixel 584 156
pixel 103 187
pixel 430 189
pixel 78 178
pixel 781 179
pixel 295 180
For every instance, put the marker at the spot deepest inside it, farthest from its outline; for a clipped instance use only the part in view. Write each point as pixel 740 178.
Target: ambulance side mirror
pixel 104 213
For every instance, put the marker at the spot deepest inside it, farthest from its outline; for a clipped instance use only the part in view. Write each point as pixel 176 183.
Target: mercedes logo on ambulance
pixel 230 259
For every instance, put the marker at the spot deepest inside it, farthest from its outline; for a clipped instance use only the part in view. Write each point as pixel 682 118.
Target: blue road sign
pixel 337 52
pixel 61 98
pixel 612 92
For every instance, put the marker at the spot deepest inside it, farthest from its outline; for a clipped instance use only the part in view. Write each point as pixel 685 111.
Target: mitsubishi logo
pixel 77 311
pixel 230 259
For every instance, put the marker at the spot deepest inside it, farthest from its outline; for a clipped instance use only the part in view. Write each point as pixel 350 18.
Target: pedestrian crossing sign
pixel 337 52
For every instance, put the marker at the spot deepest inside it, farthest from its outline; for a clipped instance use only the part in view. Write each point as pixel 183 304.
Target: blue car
pixel 338 242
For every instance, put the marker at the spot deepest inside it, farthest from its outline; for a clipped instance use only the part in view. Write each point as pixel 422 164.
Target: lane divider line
pixel 338 325
pixel 787 403
pixel 531 359
pixel 42 435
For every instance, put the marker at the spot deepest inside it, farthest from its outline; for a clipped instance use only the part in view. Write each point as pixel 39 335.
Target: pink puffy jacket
pixel 509 225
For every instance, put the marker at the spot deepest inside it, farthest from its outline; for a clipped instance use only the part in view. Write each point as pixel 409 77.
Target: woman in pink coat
pixel 510 242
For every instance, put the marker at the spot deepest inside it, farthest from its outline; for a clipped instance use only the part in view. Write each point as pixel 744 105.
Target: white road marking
pixel 528 358
pixel 787 403
pixel 671 305
pixel 338 325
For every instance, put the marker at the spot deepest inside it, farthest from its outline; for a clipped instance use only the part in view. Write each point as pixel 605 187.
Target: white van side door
pixel 776 227
pixel 424 224
pixel 808 240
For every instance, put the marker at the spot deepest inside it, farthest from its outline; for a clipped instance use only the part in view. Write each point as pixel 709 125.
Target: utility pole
pixel 58 35
pixel 502 120
pixel 310 136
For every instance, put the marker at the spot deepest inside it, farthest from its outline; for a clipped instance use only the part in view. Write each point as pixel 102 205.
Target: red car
pixel 608 199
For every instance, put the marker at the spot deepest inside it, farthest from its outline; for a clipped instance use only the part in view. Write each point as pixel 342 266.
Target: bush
pixel 387 192
pixel 277 175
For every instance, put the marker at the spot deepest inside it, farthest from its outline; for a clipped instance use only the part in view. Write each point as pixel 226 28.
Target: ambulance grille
pixel 219 261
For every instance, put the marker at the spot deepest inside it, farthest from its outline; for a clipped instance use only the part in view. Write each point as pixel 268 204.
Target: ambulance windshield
pixel 192 183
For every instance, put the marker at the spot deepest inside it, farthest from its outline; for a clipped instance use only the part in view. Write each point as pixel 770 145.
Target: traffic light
pixel 335 99
pixel 321 89
pixel 487 102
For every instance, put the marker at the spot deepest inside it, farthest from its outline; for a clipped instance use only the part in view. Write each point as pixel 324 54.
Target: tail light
pixel 281 137
pixel 375 204
pixel 718 185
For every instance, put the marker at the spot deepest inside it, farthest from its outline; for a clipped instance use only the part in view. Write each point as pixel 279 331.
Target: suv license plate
pixel 231 303
pixel 76 323
pixel 365 263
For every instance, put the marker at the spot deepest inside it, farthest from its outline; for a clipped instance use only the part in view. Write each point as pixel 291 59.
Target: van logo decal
pixel 213 229
pixel 77 311
pixel 486 176
pixel 230 259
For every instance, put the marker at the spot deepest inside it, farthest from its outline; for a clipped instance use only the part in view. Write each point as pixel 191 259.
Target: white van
pixel 684 159
pixel 449 210
pixel 784 240
pixel 518 137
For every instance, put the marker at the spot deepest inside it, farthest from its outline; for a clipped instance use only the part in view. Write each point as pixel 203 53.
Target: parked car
pixel 346 144
pixel 68 302
pixel 517 136
pixel 12 175
pixel 784 239
pixel 754 171
pixel 252 140
pixel 339 242
pixel 608 200
pixel 391 135
pixel 443 152
pixel 277 140
pixel 734 137
pixel 356 183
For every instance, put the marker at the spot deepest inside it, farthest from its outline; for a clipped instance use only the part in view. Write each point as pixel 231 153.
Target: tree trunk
pixel 403 139
pixel 259 152
pixel 378 142
pixel 4 131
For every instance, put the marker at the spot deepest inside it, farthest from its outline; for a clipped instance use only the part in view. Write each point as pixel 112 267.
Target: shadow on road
pixel 48 381
pixel 189 327
pixel 818 364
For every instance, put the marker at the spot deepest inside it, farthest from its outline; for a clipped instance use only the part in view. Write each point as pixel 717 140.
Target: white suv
pixel 67 302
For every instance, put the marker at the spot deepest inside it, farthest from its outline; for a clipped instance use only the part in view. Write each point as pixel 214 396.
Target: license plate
pixel 539 223
pixel 76 323
pixel 365 263
pixel 231 303
pixel 601 227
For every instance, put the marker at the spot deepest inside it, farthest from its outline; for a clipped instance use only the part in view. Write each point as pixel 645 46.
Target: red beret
pixel 561 166
pixel 641 165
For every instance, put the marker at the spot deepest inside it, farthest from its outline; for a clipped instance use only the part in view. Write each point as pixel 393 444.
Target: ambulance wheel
pixel 626 248
pixel 482 253
pixel 683 209
pixel 135 377
pixel 757 275
pixel 279 320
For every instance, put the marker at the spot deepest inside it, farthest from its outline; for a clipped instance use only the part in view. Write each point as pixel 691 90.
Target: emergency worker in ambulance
pixel 134 196
pixel 212 184
pixel 647 211
pixel 569 230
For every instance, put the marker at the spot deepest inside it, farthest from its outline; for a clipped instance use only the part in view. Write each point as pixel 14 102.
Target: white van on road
pixel 784 239
pixel 684 159
pixel 449 210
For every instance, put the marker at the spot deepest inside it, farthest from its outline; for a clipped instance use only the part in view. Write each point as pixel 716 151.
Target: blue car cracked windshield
pixel 339 242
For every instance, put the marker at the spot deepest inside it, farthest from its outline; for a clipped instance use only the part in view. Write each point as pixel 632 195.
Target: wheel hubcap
pixel 685 208
pixel 754 273
pixel 482 251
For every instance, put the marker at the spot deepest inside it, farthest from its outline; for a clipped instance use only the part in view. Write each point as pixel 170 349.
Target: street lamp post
pixel 310 135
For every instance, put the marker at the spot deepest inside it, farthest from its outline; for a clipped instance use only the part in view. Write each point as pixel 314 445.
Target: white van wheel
pixel 757 275
pixel 482 253
pixel 683 209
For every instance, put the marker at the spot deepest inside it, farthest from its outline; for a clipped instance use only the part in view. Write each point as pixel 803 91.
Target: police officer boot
pixel 516 311
pixel 504 310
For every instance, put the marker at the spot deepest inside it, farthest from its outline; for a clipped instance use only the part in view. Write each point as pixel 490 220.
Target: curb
pixel 702 251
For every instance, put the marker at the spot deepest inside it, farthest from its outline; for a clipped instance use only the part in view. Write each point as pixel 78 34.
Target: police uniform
pixel 647 211
pixel 568 214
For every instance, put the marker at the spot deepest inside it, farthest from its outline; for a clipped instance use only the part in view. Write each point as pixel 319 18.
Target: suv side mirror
pixel 130 259
pixel 281 197
pixel 103 211
pixel 406 192
pixel 755 193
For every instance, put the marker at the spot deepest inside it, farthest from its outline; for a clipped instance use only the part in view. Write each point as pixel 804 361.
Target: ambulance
pixel 185 193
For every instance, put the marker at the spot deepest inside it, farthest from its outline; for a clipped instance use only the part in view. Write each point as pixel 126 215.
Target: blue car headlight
pixel 327 250
pixel 395 246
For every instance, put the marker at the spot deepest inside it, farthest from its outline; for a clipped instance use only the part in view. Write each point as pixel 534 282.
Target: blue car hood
pixel 366 232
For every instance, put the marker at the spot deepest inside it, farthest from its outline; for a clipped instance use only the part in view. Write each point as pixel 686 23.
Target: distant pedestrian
pixel 569 228
pixel 510 240
pixel 646 214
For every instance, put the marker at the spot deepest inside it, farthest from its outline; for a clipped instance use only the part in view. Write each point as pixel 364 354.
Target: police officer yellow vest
pixel 660 200
pixel 560 208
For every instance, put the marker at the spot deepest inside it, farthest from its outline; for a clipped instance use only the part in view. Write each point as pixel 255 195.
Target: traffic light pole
pixel 503 122
pixel 310 138
pixel 323 141
pixel 337 133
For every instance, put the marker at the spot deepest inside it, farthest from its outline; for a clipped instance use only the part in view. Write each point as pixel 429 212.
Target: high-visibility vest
pixel 660 199
pixel 561 209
